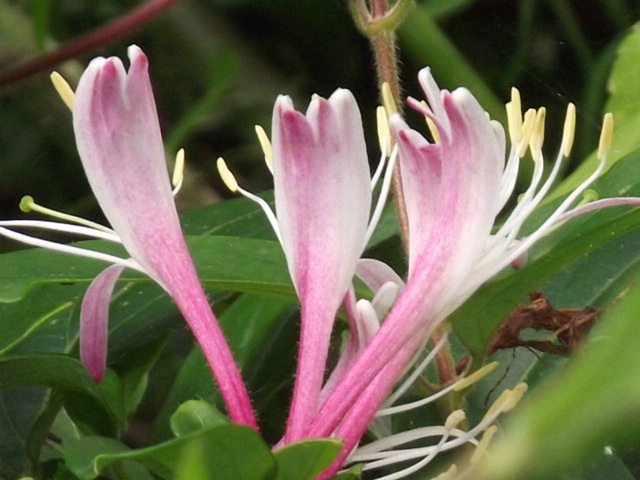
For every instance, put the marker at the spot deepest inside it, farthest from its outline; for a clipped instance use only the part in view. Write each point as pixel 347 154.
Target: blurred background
pixel 218 65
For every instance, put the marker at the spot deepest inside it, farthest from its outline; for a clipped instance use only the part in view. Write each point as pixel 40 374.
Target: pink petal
pixel 323 200
pixel 375 274
pixel 94 321
pixel 118 137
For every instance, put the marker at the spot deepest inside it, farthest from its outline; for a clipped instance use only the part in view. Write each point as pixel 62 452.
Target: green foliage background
pixel 216 67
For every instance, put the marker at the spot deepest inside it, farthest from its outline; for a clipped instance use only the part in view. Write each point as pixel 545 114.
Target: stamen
pixel 384 133
pixel 514 116
pixel 388 101
pixel 384 192
pixel 64 228
pixel 178 172
pixel 416 373
pixel 481 449
pixel 226 175
pixel 507 400
pixel 454 419
pixel 475 376
pixel 435 133
pixel 537 136
pixel 515 396
pixel 431 398
pixel 527 130
pixel 232 184
pixel 569 130
pixel 28 204
pixel 63 88
pixel 606 136
pixel 266 147
pixel 59 247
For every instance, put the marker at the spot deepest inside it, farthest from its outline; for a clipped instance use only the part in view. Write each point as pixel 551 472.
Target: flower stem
pixel 85 43
pixel 193 304
pixel 383 42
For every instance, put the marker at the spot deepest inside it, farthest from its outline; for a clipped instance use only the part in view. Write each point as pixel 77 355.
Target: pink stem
pixel 85 43
pixel 369 402
pixel 193 304
pixel 315 337
pixel 408 318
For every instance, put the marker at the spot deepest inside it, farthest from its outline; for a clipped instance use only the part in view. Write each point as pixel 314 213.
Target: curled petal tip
pixel 134 51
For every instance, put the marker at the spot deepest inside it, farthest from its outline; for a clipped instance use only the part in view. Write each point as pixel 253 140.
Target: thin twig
pixel 85 43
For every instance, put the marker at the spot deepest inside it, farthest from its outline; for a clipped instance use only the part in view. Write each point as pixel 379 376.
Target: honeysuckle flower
pixel 454 188
pixel 323 208
pixel 118 137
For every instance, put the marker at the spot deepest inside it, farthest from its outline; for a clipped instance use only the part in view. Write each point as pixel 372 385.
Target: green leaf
pixel 195 415
pixel 83 399
pixel 625 106
pixel 233 451
pixel 227 263
pixel 40 13
pixel 476 321
pixel 593 402
pixel 354 473
pixel 18 412
pixel 43 321
pixel 306 459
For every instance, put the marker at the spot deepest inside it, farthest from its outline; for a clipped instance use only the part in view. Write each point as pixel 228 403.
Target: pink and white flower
pixel 454 189
pixel 323 207
pixel 120 145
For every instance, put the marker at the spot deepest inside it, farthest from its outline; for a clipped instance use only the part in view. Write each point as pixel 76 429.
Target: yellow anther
pixel 454 419
pixel 537 135
pixel 569 130
pixel 475 376
pixel 527 130
pixel 515 101
pixel 63 88
pixel 384 133
pixel 498 404
pixel 435 133
pixel 449 474
pixel 514 116
pixel 481 449
pixel 514 397
pixel 387 99
pixel 178 169
pixel 265 144
pixel 606 136
pixel 226 175
pixel 315 96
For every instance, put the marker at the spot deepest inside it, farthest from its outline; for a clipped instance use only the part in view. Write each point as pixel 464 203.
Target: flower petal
pixel 94 321
pixel 323 199
pixel 375 274
pixel 118 137
pixel 322 190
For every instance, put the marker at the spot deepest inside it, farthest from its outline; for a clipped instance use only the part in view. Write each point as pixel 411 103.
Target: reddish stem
pixel 379 8
pixel 85 43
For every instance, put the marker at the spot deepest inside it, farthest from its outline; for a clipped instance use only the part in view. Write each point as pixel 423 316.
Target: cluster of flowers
pixel 454 187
